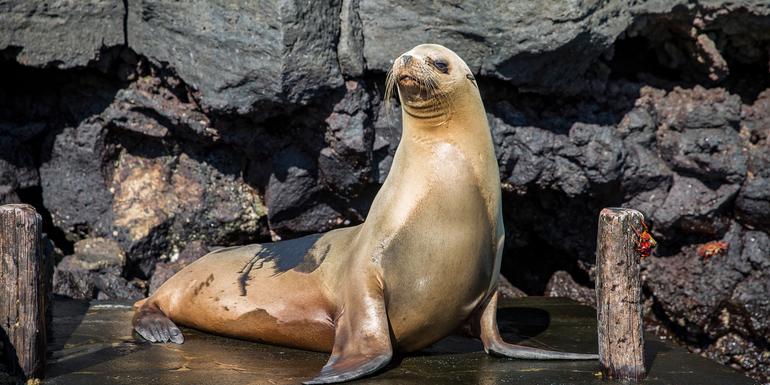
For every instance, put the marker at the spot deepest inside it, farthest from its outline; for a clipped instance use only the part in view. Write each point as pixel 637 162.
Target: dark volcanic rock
pixel 293 184
pixel 755 248
pixel 95 271
pixel 73 181
pixel 711 154
pixel 8 196
pixel 522 43
pixel 17 170
pixel 167 200
pixel 192 252
pixel 508 291
pixel 735 350
pixel 702 286
pixel 530 155
pixel 514 30
pixel 753 203
pixel 159 107
pixel 238 55
pixel 699 108
pixel 387 133
pixel 165 270
pixel 82 28
pixel 346 165
pixel 720 297
pixel 601 152
pixel 351 41
pixel 693 207
pixel 751 302
pixel 698 134
pixel 720 304
pixel 561 284
pixel 113 176
pixel 756 120
pixel 646 179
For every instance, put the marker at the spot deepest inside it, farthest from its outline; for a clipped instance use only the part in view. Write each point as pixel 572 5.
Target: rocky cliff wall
pixel 148 131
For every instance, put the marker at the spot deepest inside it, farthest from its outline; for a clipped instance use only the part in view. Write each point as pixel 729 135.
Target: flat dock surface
pixel 93 344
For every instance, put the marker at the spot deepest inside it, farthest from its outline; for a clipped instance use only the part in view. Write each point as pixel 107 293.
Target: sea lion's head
pixel 427 77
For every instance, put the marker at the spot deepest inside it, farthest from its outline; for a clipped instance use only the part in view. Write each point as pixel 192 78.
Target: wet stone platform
pixel 93 344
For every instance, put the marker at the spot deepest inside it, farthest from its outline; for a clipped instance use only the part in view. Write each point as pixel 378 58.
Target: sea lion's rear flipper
pixel 362 343
pixel 150 322
pixel 486 324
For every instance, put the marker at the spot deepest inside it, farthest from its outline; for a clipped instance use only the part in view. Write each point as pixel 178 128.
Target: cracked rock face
pixel 95 270
pixel 155 131
pixel 274 54
pixel 82 29
pixel 721 302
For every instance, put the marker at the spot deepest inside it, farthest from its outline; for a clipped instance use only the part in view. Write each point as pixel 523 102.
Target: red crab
pixel 712 249
pixel 645 242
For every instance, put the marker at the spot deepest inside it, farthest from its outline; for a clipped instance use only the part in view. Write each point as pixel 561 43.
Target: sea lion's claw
pixel 176 335
pixel 346 369
pixel 150 323
pixel 145 333
pixel 162 331
pixel 155 333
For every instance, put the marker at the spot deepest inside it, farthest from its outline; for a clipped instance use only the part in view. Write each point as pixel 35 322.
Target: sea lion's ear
pixel 472 79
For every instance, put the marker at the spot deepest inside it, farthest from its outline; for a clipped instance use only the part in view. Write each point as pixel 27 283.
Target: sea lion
pixel 426 259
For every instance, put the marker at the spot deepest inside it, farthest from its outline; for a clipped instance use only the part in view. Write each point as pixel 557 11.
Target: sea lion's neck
pixel 423 142
pixel 463 123
pixel 461 120
pixel 425 114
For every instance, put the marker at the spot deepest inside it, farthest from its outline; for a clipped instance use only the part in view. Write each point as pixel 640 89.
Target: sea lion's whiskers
pixel 390 88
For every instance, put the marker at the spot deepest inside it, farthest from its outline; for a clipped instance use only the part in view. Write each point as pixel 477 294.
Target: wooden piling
pixel 22 291
pixel 619 294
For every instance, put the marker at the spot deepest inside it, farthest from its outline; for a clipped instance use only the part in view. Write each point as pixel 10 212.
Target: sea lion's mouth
pixel 407 81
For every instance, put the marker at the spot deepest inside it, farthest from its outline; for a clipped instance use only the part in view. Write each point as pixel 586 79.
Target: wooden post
pixel 619 294
pixel 22 290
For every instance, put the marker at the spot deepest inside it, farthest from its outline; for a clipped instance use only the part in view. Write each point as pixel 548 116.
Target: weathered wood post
pixel 619 294
pixel 22 290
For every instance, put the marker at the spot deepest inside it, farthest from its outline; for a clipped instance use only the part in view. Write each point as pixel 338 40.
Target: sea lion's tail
pixel 530 353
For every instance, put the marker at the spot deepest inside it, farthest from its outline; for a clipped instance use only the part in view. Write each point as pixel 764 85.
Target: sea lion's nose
pixel 406 59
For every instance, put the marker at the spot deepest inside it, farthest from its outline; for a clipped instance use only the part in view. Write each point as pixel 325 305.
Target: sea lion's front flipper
pixel 486 324
pixel 150 322
pixel 362 343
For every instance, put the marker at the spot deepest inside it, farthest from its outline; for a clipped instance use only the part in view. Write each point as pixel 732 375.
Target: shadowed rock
pixel 95 271
pixel 561 284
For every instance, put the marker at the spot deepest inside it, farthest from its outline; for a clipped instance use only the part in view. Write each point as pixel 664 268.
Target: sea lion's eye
pixel 441 65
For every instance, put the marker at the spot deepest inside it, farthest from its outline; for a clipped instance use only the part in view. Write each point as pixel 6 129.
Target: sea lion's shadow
pixel 520 324
pixel 516 326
